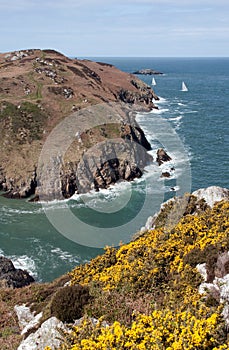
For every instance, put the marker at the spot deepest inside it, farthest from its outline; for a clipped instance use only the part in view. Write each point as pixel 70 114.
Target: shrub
pixel 162 265
pixel 68 302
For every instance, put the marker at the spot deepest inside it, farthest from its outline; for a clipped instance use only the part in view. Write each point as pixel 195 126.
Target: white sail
pixel 184 87
pixel 153 82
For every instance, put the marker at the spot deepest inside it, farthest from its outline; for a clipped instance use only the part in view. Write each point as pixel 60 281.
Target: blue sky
pixel 150 28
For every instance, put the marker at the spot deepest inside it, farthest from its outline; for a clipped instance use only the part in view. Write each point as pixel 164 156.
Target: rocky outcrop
pixel 165 174
pixel 10 277
pixel 112 162
pixel 212 194
pixel 103 165
pixel 147 71
pixel 27 319
pixel 216 281
pixel 24 190
pixel 39 89
pixel 173 209
pixel 47 335
pixel 122 157
pixel 50 333
pixel 162 156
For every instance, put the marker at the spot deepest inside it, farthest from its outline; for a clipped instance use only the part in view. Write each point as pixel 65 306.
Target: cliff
pixel 39 89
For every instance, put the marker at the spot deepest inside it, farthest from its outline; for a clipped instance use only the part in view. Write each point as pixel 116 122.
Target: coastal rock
pixel 212 194
pixel 121 158
pixel 162 156
pixel 110 162
pixel 147 71
pixel 165 174
pixel 131 97
pixel 47 335
pixel 173 209
pixel 10 277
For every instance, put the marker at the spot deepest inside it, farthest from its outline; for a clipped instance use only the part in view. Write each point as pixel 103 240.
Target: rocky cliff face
pixel 38 90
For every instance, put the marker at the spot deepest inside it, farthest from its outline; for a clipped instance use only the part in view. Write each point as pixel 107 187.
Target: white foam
pixel 22 262
pixel 55 201
pixel 162 100
pixel 190 112
pixel 159 111
pixel 65 256
pixel 177 118
pixel 25 263
pixel 12 211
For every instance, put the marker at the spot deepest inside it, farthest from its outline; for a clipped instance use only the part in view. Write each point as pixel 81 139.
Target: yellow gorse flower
pixel 162 261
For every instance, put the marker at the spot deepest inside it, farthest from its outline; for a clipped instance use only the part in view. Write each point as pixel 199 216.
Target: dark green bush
pixel 68 302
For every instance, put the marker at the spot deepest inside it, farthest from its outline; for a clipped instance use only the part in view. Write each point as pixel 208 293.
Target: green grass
pixel 28 117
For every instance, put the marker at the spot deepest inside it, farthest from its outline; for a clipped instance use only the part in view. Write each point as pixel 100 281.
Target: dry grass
pixel 38 294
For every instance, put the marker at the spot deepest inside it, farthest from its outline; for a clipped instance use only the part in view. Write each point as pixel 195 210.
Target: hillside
pixel 166 289
pixel 41 88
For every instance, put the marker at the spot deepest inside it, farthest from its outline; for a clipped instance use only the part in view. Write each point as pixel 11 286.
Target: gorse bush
pixel 163 329
pixel 161 265
pixel 154 259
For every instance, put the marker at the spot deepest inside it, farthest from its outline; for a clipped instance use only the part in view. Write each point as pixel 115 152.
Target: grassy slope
pixel 147 290
pixel 40 89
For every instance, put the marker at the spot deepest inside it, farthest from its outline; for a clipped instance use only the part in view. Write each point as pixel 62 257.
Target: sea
pixel 192 126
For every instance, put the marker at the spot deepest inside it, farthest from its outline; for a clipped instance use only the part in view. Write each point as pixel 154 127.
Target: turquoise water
pixel 196 122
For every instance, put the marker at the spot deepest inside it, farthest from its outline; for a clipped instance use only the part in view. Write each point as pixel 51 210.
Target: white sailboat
pixel 153 82
pixel 184 87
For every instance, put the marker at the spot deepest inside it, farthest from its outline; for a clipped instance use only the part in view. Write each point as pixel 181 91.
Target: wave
pixel 19 211
pixel 162 100
pixel 12 212
pixel 22 262
pixel 65 256
pixel 177 118
pixel 189 112
pixel 159 111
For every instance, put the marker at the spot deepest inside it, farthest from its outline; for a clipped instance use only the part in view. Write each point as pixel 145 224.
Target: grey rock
pixel 10 277
pixel 162 156
pixel 27 320
pixel 147 71
pixel 212 194
pixel 47 335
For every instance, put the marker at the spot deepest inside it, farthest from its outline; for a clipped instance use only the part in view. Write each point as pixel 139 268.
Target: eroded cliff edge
pixel 41 88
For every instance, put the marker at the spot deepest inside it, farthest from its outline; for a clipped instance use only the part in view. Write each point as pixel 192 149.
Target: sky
pixel 123 28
